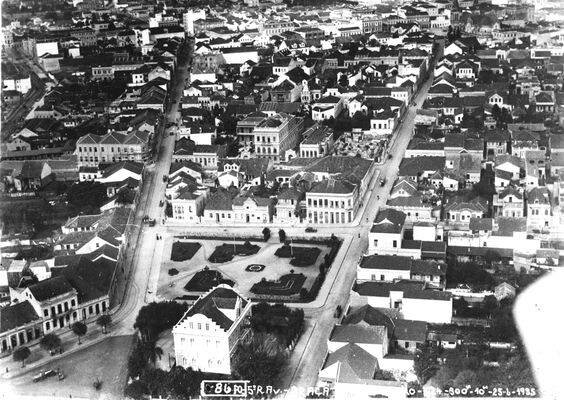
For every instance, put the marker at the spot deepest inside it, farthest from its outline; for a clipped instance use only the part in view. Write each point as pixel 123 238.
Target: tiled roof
pixel 49 288
pixel 210 304
pixel 17 315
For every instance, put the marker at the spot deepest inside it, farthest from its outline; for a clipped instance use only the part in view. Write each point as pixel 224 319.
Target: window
pixel 47 326
pixel 45 313
pixel 207 327
pixel 395 243
pixel 382 277
pixel 73 303
pixel 199 326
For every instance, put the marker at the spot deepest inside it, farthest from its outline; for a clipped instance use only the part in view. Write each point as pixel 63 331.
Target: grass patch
pixel 226 252
pixel 182 251
pixel 205 280
pixel 301 256
pixel 286 285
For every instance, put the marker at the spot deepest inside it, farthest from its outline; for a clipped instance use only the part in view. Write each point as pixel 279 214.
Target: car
pixel 44 375
pixel 338 312
pixel 382 181
pixel 310 229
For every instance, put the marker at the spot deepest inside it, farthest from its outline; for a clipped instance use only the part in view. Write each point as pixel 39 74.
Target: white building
pixel 208 333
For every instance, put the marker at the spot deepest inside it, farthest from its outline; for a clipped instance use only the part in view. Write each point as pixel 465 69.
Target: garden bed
pixel 226 252
pixel 286 285
pixel 205 280
pixel 255 268
pixel 301 256
pixel 182 251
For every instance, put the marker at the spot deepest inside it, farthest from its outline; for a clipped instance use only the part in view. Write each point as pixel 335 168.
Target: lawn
pixel 286 285
pixel 205 280
pixel 182 251
pixel 226 252
pixel 301 256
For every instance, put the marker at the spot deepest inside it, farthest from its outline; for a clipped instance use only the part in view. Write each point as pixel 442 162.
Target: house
pixel 318 142
pixel 188 204
pixel 417 168
pixel 409 298
pixel 326 108
pixel 414 207
pixel 390 268
pixel 288 206
pixel 387 231
pixel 504 290
pixel 539 209
pixel 206 155
pixel 253 170
pixel 208 333
pixel 350 371
pixel 509 202
pixel 458 210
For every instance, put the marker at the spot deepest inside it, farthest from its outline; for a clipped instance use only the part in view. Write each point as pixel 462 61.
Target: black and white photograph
pixel 281 199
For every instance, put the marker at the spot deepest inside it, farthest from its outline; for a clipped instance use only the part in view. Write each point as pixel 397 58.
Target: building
pixel 318 142
pixel 410 299
pixel 387 231
pixel 275 135
pixel 92 150
pixel 208 333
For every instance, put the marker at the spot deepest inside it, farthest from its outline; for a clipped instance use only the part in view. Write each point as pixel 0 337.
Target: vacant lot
pixel 106 361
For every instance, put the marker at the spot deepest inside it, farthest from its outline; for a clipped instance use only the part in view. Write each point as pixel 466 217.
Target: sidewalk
pixel 39 357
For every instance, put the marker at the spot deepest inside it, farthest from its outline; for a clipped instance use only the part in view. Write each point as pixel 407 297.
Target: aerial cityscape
pixel 282 199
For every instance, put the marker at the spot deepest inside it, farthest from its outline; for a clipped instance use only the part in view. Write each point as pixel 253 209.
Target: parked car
pixel 382 181
pixel 309 229
pixel 44 375
pixel 338 312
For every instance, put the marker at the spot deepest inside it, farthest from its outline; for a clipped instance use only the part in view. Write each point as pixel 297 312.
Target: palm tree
pixel 50 342
pixel 79 329
pixel 152 351
pixel 21 354
pixel 103 321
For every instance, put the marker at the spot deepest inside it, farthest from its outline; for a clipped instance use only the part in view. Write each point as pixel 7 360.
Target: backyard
pixel 232 259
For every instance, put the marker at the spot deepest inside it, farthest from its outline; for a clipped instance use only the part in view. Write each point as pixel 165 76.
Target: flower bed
pixel 286 285
pixel 226 252
pixel 301 256
pixel 182 251
pixel 205 280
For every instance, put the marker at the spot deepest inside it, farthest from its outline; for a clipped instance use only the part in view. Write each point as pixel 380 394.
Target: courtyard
pixel 172 286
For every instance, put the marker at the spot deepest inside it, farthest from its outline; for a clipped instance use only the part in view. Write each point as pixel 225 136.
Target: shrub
pixel 173 271
pixel 205 280
pixel 182 251
pixel 226 252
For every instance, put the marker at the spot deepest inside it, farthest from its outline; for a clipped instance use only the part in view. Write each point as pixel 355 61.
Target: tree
pixel 260 360
pixel 426 363
pixel 136 390
pixel 156 317
pixel 266 234
pixel 87 196
pixel 21 354
pixel 151 351
pixel 282 235
pixel 103 321
pixel 450 34
pixel 125 196
pixel 79 329
pixel 344 80
pixel 50 342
